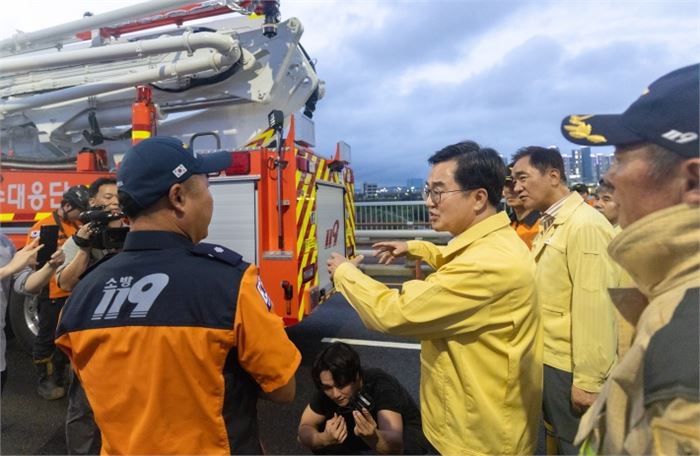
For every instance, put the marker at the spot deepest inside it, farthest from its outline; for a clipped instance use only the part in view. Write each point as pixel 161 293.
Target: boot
pixel 48 389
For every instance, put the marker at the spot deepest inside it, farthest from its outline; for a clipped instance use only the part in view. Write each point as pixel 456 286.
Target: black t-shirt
pixel 386 393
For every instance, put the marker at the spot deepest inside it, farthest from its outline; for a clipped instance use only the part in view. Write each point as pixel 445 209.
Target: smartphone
pixel 363 401
pixel 48 237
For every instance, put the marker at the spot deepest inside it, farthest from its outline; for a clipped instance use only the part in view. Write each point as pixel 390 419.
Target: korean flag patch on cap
pixel 263 294
pixel 179 171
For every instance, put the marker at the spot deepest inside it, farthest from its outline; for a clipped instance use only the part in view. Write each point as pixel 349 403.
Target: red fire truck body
pixel 68 114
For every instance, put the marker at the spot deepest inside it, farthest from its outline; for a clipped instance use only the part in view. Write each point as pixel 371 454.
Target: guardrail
pixel 391 215
pixel 409 269
pixel 425 235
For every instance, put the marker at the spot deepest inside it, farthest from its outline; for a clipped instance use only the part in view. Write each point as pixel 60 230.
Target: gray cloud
pixel 407 77
pixel 518 101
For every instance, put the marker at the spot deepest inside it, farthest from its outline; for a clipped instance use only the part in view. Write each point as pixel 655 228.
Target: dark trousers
pixel 557 409
pixel 82 434
pixel 44 346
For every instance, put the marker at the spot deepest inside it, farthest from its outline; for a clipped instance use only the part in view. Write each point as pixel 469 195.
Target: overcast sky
pixel 405 78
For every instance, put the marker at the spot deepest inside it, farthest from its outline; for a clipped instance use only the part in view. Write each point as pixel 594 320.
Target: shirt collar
pixel 529 220
pixel 553 210
pixel 155 240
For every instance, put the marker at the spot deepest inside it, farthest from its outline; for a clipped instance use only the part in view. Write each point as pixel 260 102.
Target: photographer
pixel 357 410
pixel 85 248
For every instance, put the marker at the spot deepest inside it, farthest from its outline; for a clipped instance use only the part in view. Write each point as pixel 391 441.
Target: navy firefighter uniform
pixel 172 352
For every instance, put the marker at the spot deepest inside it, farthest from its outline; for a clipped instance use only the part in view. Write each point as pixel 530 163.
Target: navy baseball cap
pixel 667 114
pixel 151 167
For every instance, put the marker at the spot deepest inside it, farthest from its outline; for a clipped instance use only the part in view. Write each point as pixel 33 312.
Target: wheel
pixel 24 319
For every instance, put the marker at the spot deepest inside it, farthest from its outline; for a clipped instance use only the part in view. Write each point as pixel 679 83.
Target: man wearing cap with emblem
pixel 50 363
pixel 649 404
pixel 174 339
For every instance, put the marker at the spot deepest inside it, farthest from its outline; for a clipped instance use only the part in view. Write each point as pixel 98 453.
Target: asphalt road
pixel 31 425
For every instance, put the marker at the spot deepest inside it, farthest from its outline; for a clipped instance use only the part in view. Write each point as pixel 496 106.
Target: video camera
pixel 101 235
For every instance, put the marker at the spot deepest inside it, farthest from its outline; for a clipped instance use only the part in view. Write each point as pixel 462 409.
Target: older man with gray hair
pixel 649 405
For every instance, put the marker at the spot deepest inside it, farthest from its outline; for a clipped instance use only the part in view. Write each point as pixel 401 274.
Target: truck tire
pixel 24 319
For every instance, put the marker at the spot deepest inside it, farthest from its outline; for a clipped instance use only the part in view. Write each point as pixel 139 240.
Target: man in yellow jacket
pixel 476 316
pixel 650 404
pixel 572 280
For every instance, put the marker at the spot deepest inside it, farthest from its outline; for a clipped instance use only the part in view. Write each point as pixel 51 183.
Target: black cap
pixel 154 165
pixel 77 196
pixel 667 114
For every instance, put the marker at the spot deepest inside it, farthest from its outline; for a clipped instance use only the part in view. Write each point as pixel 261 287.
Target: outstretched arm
pixel 21 259
pixel 38 279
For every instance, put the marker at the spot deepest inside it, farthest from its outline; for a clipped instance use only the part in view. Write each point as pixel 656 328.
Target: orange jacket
pixel 528 227
pixel 171 342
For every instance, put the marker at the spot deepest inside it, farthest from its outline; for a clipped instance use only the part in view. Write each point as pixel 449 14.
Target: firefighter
pixel 649 404
pixel 50 363
pixel 173 339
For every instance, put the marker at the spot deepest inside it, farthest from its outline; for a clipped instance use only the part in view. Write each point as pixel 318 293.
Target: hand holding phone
pixel 48 237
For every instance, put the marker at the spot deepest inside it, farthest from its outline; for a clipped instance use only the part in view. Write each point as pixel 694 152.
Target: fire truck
pixel 219 75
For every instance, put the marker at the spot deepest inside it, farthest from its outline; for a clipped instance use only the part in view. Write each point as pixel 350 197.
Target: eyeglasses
pixel 436 195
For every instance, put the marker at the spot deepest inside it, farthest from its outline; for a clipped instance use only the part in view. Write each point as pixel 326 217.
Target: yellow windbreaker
pixel 573 275
pixel 480 333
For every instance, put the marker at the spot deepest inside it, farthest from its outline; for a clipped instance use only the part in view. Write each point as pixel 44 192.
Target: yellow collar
pixel 571 202
pixel 476 232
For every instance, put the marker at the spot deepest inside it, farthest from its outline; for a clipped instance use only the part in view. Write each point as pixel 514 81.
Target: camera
pixel 102 236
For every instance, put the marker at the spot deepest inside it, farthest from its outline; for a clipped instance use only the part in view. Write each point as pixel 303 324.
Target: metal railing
pixel 391 215
pixel 394 220
pixel 399 220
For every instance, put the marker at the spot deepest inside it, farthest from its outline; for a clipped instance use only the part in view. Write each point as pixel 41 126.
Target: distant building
pixel 575 170
pixel 567 165
pixel 369 189
pixel 587 166
pixel 603 163
pixel 375 192
pixel 582 166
